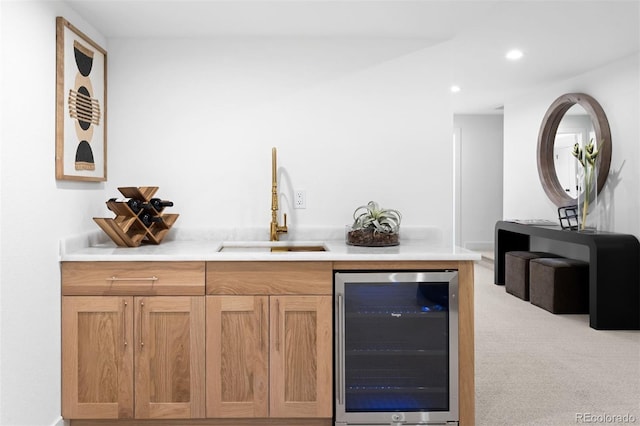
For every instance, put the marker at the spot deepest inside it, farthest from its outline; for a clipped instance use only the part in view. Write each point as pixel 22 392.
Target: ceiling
pixel 560 39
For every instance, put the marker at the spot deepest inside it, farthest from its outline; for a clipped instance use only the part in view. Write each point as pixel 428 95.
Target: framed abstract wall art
pixel 81 105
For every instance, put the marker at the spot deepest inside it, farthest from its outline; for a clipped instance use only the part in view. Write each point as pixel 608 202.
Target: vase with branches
pixel 587 181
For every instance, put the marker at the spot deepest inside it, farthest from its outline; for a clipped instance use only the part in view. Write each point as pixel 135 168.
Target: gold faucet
pixel 275 229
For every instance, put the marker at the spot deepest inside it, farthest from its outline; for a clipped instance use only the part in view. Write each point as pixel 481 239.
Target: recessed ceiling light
pixel 455 89
pixel 514 55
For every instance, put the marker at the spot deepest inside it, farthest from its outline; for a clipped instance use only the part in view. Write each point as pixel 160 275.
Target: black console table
pixel 614 269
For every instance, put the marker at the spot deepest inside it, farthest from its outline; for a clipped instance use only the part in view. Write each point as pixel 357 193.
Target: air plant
pixel 379 220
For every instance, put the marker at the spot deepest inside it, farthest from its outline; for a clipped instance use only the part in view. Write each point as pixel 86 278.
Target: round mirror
pixel 574 117
pixel 574 128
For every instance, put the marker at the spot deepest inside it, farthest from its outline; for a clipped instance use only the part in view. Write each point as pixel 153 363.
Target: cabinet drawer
pixel 269 278
pixel 133 278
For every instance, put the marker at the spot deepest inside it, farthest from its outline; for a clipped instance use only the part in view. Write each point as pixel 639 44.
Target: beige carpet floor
pixel 537 368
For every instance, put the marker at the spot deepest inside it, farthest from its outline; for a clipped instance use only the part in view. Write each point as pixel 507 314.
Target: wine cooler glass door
pixel 396 347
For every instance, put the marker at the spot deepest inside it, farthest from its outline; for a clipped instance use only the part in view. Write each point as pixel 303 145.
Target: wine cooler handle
pixel 340 347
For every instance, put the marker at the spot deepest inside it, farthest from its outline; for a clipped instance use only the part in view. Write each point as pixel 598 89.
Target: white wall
pixel 36 212
pixel 616 88
pixel 1 156
pixel 353 121
pixel 480 178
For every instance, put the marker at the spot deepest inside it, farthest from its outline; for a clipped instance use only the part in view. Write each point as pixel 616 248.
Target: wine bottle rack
pixel 127 229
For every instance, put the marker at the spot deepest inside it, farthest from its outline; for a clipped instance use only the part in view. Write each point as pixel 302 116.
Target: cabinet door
pixel 97 357
pixel 169 340
pixel 301 356
pixel 237 356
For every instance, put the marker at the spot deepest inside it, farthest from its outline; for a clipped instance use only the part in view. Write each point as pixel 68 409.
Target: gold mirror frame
pixel 546 141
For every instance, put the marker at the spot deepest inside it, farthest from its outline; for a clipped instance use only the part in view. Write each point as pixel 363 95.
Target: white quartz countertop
pixel 209 250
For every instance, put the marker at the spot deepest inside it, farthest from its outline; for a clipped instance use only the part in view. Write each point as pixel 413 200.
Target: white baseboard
pixel 60 422
pixel 479 245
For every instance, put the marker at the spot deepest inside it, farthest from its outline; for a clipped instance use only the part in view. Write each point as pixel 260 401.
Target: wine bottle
pixel 134 204
pixel 149 219
pixel 159 204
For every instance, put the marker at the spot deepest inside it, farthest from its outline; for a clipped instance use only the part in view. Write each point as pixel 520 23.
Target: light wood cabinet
pixel 128 356
pixel 237 356
pixel 137 343
pixel 97 357
pixel 144 343
pixel 269 354
pixel 105 337
pixel 169 357
pixel 301 356
pixel 133 278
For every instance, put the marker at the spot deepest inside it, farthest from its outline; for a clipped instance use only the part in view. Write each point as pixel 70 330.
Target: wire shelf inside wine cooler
pixel 384 400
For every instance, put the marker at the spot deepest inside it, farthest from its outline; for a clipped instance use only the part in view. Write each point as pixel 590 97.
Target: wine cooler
pixel 396 348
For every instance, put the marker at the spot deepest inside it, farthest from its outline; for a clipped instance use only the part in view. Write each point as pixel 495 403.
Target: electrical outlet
pixel 300 200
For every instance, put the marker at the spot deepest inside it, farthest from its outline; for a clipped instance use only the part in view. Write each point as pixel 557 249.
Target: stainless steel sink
pixel 298 248
pixel 271 246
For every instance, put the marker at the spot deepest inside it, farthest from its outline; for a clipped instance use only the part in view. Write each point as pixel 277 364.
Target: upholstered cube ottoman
pixel 560 285
pixel 516 271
